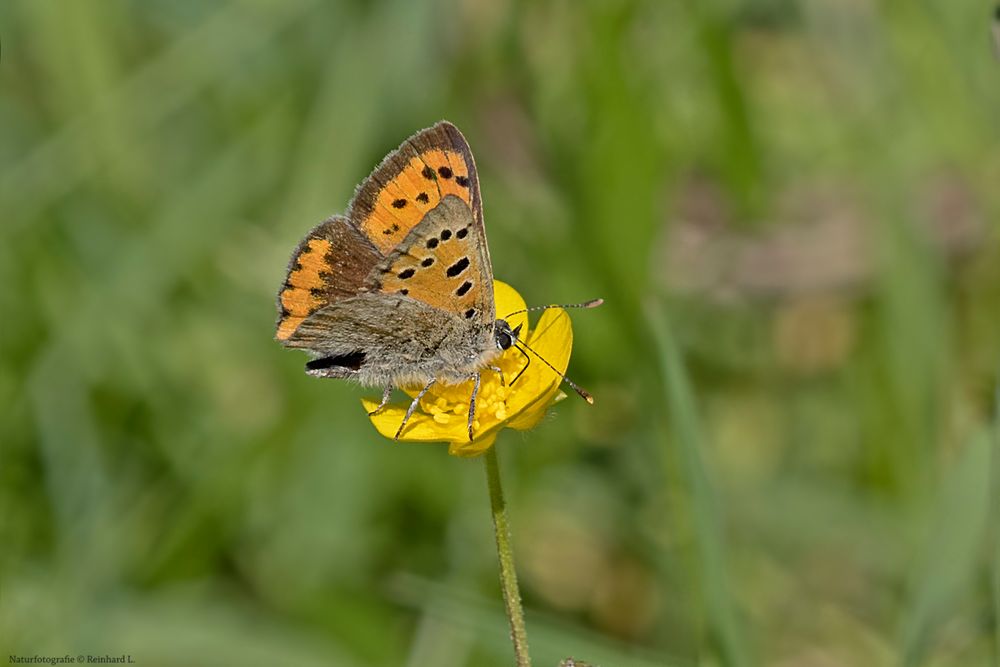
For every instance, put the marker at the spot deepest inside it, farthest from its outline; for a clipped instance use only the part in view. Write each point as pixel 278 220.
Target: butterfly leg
pixel 413 406
pixel 498 371
pixel 472 403
pixel 385 400
pixel 527 362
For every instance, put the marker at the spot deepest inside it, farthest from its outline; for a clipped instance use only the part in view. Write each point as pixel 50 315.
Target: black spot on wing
pixel 458 267
pixel 445 235
pixel 427 262
pixel 466 286
pixel 406 273
pixel 432 243
pixel 462 233
pixel 399 203
pixel 428 173
pixel 469 313
pixel 423 198
pixel 352 360
pixel 462 180
pixel 444 172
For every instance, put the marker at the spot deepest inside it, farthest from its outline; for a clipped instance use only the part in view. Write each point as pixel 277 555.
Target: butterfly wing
pixel 330 264
pixel 380 339
pixel 411 181
pixel 423 204
pixel 443 262
pixel 425 304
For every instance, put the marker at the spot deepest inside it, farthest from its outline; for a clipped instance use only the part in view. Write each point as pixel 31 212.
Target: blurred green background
pixel 789 206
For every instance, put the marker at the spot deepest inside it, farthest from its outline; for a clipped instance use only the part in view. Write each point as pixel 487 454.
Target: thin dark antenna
pixel 593 303
pixel 584 394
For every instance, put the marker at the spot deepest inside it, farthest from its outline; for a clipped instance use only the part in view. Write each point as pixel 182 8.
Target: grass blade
pixel 685 424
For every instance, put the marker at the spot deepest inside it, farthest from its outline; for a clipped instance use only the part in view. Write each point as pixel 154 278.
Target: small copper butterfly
pixel 399 291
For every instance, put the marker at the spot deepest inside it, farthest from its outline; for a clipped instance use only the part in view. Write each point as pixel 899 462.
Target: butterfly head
pixel 504 336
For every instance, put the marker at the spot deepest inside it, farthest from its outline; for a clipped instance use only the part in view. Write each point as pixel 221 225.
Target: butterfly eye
pixel 503 335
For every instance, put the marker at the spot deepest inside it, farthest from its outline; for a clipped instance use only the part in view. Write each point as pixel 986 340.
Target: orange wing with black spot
pixel 331 263
pixel 411 181
pixel 443 262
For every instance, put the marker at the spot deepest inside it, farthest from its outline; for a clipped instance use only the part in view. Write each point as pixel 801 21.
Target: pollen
pixel 491 405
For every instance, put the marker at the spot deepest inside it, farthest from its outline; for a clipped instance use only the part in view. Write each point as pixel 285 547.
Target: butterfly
pixel 399 291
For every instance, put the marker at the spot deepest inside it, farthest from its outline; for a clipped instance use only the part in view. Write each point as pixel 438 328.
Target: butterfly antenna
pixel 593 303
pixel 584 394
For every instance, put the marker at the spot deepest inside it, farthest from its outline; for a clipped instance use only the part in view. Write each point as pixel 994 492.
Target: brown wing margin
pixel 331 263
pixel 411 181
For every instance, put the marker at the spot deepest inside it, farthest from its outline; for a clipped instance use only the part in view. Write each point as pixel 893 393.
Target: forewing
pixel 411 181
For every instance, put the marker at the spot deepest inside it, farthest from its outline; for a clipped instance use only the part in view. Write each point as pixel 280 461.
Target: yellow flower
pixel 443 412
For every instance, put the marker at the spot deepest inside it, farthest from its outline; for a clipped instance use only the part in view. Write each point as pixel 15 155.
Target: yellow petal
pixel 420 428
pixel 533 413
pixel 475 448
pixel 423 427
pixel 552 337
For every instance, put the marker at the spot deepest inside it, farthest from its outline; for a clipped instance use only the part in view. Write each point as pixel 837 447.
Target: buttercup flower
pixel 443 412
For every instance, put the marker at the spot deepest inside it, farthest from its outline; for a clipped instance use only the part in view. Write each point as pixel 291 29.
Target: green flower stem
pixel 508 576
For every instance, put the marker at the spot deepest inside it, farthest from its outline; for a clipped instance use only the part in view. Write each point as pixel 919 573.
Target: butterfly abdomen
pixel 402 340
